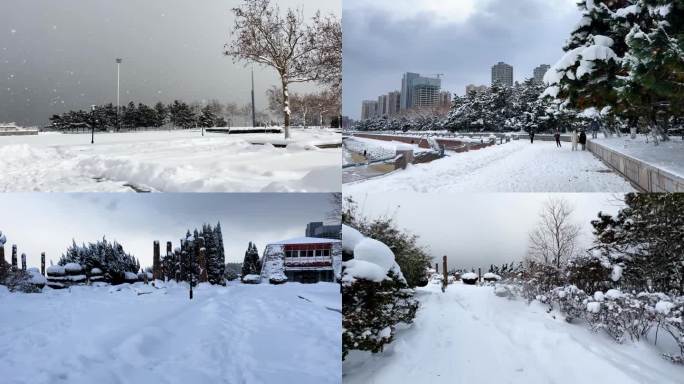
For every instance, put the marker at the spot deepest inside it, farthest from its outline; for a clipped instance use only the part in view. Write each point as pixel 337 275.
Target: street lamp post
pixel 92 127
pixel 253 106
pixel 118 73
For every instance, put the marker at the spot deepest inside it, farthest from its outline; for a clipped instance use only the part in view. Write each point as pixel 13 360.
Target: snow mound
pixel 360 269
pixel 35 277
pixel 73 267
pixel 251 279
pixel 664 307
pixel 491 276
pixel 613 294
pixel 375 252
pixel 594 307
pixel 96 271
pixel 130 276
pixel 469 276
pixel 598 296
pixel 56 270
pixel 350 238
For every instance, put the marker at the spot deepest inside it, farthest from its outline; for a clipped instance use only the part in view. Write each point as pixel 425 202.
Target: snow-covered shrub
pixel 491 277
pixel 109 257
pixel 571 301
pixel 251 279
pixel 670 316
pixel 469 278
pixel 375 295
pixel 539 280
pixel 18 280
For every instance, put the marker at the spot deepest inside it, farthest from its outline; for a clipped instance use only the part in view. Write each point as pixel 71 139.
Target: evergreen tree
pixel 160 114
pixel 250 264
pixel 107 256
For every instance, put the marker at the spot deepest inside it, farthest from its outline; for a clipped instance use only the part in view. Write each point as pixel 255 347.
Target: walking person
pixel 595 126
pixel 531 136
pixel 574 139
pixel 583 140
pixel 557 137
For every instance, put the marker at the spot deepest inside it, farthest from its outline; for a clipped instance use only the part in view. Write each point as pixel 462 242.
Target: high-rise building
pixel 383 106
pixel 394 102
pixel 475 88
pixel 445 98
pixel 539 73
pixel 502 74
pixel 419 91
pixel 368 109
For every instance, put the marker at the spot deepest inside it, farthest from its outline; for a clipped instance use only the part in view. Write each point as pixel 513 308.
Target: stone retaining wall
pixel 645 177
pixel 449 144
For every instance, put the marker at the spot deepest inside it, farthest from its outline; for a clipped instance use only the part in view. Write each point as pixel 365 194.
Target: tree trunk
pixel 286 107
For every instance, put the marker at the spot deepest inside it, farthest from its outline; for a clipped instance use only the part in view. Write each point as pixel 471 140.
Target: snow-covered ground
pixel 235 334
pixel 170 161
pixel 668 155
pixel 517 166
pixel 469 335
pixel 378 149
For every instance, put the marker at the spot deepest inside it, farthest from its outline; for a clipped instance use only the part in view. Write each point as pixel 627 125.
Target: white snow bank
pixel 469 276
pixel 255 279
pixel 35 277
pixel 130 276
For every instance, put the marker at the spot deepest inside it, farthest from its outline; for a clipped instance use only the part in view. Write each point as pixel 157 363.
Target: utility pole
pixel 253 106
pixel 445 273
pixel 118 73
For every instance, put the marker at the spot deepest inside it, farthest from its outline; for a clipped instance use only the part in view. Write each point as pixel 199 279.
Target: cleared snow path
pixel 517 166
pixel 170 161
pixel 469 335
pixel 238 334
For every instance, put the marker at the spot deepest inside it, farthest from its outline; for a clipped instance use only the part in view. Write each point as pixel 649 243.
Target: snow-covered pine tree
pixel 654 64
pixel 589 73
pixel 641 245
pixel 250 265
pixel 218 235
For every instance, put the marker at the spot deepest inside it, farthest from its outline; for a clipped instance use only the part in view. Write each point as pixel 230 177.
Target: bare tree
pixel 286 43
pixel 554 240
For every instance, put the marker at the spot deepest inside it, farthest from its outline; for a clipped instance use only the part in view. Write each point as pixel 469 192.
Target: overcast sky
pixel 47 222
pixel 461 39
pixel 476 230
pixel 59 55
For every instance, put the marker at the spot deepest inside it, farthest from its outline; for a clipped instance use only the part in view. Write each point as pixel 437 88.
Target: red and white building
pixel 303 260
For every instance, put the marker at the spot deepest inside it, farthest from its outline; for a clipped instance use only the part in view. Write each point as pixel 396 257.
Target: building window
pixel 319 252
pixel 310 253
pixel 326 252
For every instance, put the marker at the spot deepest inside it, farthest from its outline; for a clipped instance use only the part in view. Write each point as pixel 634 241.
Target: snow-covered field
pixel 517 166
pixel 469 335
pixel 668 155
pixel 235 334
pixel 170 161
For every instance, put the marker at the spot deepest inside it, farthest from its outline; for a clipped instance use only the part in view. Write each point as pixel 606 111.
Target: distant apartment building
pixel 318 229
pixel 539 73
pixel 502 74
pixel 383 106
pixel 475 88
pixel 445 99
pixel 369 109
pixel 394 103
pixel 419 91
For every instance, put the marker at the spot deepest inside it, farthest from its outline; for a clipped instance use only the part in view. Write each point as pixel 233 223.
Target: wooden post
pixel 479 275
pixel 436 267
pixel 167 275
pixel 191 272
pixel 23 261
pixel 42 263
pixel 2 257
pixel 14 257
pixel 156 261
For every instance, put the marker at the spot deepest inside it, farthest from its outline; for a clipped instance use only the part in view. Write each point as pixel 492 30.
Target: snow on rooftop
pixel 305 240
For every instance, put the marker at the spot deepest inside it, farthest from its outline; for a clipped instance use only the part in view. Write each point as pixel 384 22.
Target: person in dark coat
pixel 531 136
pixel 583 140
pixel 595 127
pixel 557 137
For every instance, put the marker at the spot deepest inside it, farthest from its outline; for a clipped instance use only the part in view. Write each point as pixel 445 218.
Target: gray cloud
pixel 59 55
pixel 380 45
pixel 48 222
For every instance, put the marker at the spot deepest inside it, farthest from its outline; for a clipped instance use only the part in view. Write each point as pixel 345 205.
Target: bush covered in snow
pixel 412 259
pixel 109 257
pixel 375 295
pixel 470 278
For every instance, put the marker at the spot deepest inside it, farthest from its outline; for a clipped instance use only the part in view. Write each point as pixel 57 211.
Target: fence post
pixel 445 273
pixel 14 257
pixel 436 267
pixel 156 262
pixel 42 263
pixel 479 275
pixel 23 261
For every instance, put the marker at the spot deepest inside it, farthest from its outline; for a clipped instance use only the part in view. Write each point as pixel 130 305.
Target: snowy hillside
pixel 469 335
pixel 138 334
